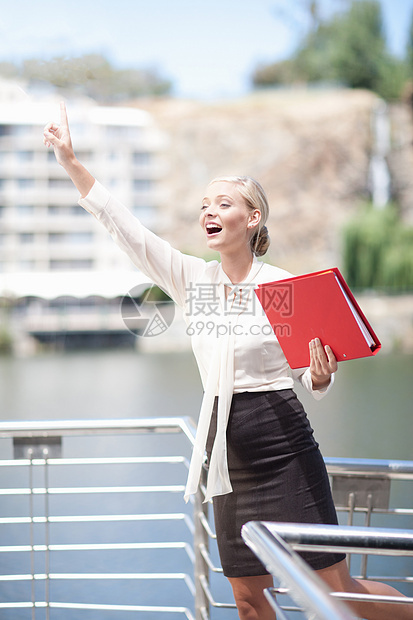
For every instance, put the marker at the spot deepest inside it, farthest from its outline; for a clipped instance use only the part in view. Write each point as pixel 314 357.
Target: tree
pixel 378 250
pixel 349 48
pixel 360 47
pixel 409 50
pixel 313 60
pixel 91 75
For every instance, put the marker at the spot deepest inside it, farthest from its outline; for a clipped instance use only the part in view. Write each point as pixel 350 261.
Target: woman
pixel 263 462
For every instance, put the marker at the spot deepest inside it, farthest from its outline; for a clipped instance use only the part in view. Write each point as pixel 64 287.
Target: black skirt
pixel 277 474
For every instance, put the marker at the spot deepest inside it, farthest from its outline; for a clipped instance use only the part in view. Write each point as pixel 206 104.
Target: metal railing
pixel 96 524
pixel 369 493
pixel 76 517
pixel 361 491
pixel 275 544
pixel 298 580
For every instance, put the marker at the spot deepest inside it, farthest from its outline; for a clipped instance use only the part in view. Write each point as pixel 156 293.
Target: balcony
pixel 93 523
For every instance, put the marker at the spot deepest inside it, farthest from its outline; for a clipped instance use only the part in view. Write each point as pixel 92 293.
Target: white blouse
pixel 234 345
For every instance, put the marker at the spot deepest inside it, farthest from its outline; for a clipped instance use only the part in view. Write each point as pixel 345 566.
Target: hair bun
pixel 261 242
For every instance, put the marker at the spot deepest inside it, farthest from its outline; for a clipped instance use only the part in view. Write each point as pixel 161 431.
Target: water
pixel 366 415
pixel 98 384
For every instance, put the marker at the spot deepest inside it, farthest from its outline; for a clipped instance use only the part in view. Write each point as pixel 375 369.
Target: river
pixel 367 414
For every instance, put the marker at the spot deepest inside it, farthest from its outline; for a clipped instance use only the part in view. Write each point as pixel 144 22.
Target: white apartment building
pixel 59 268
pixel 43 231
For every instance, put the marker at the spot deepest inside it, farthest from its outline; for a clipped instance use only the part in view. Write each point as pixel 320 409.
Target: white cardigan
pixel 234 345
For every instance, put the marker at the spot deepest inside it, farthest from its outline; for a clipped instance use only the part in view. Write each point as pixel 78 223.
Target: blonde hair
pixel 255 198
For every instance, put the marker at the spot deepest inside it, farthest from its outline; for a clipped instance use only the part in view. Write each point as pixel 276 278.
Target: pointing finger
pixel 63 115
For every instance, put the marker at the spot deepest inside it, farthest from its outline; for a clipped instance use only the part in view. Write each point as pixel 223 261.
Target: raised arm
pixel 58 136
pixel 167 267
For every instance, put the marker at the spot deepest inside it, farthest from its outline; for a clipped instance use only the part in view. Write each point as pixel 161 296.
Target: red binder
pixel 317 305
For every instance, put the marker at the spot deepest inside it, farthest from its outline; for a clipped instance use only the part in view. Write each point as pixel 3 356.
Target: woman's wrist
pixel 80 176
pixel 320 383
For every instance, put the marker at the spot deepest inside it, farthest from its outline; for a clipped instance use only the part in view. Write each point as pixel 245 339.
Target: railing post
pixel 201 541
pixel 47 531
pixel 32 560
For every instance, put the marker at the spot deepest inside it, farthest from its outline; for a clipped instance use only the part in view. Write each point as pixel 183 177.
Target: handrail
pixel 50 428
pixel 306 588
pixel 264 538
pixel 352 466
pixel 47 428
pixel 342 538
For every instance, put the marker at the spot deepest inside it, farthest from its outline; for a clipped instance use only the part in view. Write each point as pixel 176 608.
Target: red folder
pixel 317 305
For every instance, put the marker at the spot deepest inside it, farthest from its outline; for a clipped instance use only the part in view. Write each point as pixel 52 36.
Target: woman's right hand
pixel 58 136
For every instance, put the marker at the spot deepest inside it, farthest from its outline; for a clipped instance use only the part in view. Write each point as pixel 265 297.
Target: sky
pixel 207 48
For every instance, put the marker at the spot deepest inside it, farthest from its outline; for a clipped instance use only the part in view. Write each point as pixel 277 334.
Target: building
pixel 50 247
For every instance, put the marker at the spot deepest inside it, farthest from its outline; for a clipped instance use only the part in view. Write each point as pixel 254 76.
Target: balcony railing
pixel 92 519
pixel 275 545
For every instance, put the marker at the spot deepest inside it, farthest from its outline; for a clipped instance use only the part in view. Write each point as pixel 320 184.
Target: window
pixel 6 130
pixel 27 265
pixel 25 183
pixel 24 210
pixel 60 184
pixel 67 265
pixel 25 156
pixel 51 158
pixel 71 237
pixel 141 158
pixel 142 185
pixel 21 130
pixel 26 237
pixel 66 211
pixel 116 131
pixel 80 237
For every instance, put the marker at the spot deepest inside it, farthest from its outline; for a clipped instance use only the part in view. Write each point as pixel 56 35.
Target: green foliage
pixel 360 46
pixel 313 58
pixel 393 79
pixel 5 342
pixel 378 251
pixel 91 75
pixel 6 339
pixel 349 49
pixel 409 50
pixel 155 294
pixel 275 74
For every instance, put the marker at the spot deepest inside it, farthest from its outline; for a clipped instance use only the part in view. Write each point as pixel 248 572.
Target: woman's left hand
pixel 323 364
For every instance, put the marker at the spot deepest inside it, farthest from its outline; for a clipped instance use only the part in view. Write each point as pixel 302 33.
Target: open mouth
pixel 213 229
